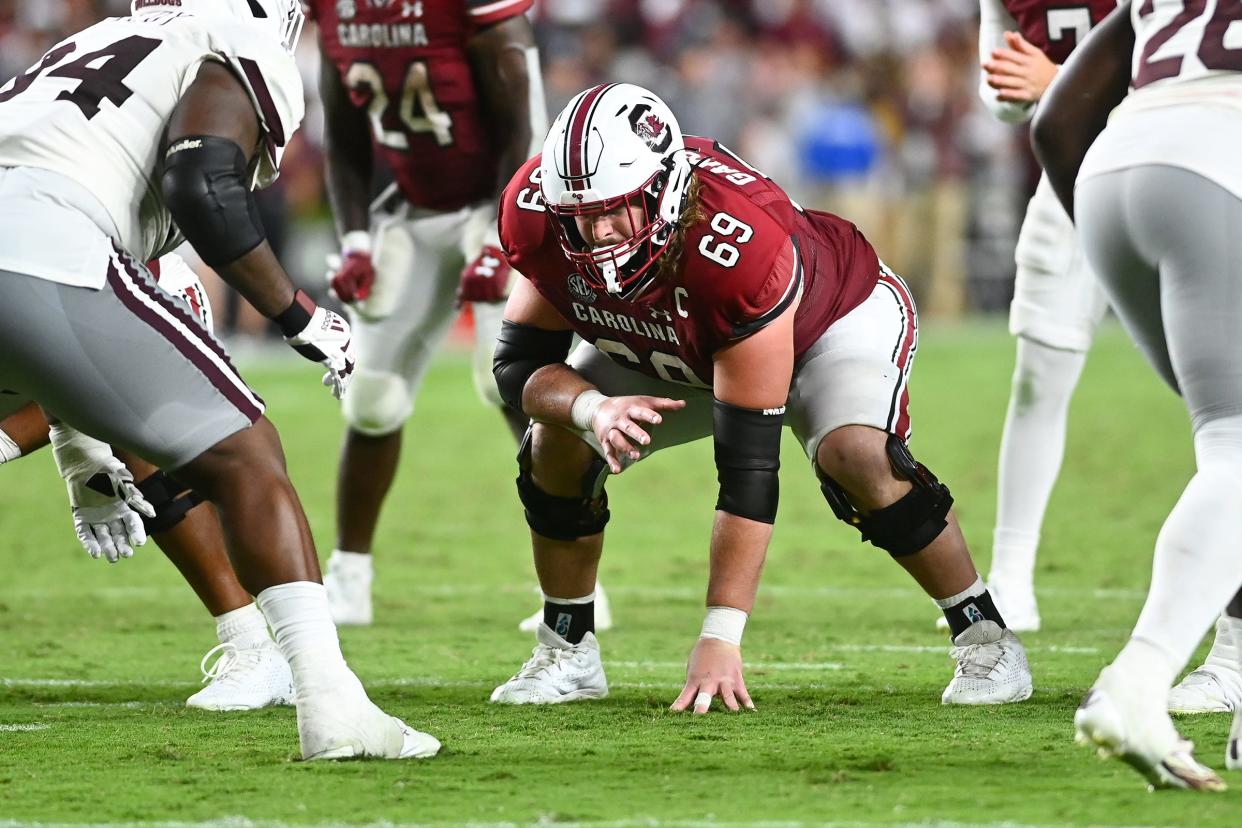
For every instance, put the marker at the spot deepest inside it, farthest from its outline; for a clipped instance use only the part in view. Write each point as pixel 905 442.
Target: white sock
pixel 8 449
pixel 973 591
pixel 1032 447
pixel 1197 567
pixel 1226 652
pixel 353 561
pixel 244 627
pixel 302 626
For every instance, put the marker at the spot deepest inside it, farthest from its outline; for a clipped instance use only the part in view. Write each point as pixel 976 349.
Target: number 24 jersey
pixel 406 63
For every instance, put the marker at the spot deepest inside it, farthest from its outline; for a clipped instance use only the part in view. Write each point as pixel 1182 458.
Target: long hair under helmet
pixel 283 18
pixel 613 145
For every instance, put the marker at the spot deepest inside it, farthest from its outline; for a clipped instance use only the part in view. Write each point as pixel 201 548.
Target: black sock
pixel 570 621
pixel 1234 610
pixel 969 610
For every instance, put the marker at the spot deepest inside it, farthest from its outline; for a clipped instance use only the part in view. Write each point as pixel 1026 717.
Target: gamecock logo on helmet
pixel 651 128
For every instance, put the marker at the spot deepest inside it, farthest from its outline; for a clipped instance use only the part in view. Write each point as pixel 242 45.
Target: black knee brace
pixel 904 527
pixel 171 500
pixel 562 518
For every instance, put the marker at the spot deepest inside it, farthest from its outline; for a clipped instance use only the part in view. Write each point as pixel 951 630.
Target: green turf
pixel 845 731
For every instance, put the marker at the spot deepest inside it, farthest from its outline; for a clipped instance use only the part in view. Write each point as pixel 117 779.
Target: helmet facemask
pixel 619 268
pixel 615 147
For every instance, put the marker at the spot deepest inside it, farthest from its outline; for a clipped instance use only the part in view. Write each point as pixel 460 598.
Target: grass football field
pixel 844 662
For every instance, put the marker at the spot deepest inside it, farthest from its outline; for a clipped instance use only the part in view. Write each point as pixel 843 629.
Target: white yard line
pixel 652 822
pixel 23 728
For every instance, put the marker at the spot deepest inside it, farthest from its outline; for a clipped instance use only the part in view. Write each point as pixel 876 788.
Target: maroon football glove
pixel 486 279
pixel 351 280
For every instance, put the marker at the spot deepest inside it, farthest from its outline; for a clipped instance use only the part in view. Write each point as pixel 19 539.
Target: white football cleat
pixel 991 667
pixel 244 678
pixel 603 614
pixel 556 672
pixel 348 581
pixel 1216 686
pixel 348 725
pixel 1118 724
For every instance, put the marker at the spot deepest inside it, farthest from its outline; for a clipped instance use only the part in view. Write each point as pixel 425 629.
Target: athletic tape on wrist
pixel 582 415
pixel 725 623
pixel 8 449
pixel 356 241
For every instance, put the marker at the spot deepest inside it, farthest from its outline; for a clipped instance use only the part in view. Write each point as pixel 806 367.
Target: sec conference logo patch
pixel 580 289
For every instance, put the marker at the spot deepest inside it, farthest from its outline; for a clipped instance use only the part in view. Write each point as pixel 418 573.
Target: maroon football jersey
pixel 1057 27
pixel 405 62
pixel 740 268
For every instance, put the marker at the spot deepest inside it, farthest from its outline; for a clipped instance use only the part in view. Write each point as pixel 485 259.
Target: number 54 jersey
pixel 95 109
pixel 406 63
pixel 741 265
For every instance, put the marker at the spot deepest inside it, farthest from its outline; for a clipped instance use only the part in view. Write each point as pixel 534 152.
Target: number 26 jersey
pixel 96 107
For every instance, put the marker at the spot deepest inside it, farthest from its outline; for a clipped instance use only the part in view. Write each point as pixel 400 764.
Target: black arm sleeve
pixel 204 186
pixel 521 350
pixel 748 457
pixel 1075 109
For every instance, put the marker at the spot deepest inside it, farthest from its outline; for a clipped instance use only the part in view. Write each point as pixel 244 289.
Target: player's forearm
pixel 994 21
pixel 550 393
pixel 739 546
pixel 348 152
pixel 1076 107
pixel 347 178
pixel 505 65
pixel 26 431
pixel 259 277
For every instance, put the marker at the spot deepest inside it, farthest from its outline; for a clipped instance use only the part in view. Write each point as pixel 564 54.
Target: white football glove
pixel 326 339
pixel 107 506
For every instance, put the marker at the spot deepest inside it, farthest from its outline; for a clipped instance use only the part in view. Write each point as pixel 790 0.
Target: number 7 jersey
pixel 406 63
pixel 96 107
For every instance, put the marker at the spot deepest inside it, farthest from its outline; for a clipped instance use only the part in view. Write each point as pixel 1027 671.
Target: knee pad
pixel 171 500
pixel 906 526
pixel 562 518
pixel 377 403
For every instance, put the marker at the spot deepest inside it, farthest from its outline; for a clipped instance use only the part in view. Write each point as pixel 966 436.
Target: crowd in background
pixel 867 108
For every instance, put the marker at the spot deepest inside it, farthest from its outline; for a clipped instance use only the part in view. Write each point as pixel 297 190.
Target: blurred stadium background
pixel 868 108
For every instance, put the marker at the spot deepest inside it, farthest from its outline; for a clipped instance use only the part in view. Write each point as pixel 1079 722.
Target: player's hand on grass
pixel 107 506
pixel 714 670
pixel 621 424
pixel 321 336
pixel 1021 73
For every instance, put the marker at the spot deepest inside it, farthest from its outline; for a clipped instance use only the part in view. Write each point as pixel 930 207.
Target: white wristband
pixel 8 449
pixel 583 412
pixel 725 623
pixel 356 241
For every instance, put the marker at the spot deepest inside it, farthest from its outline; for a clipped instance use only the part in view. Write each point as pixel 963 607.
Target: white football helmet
pixel 613 145
pixel 284 18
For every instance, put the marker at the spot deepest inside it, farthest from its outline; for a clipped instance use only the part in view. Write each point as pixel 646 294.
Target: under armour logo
pixel 660 313
pixel 412 9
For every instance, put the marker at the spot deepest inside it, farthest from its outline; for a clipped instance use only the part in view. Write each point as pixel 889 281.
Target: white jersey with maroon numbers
pixel 95 109
pixel 1188 56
